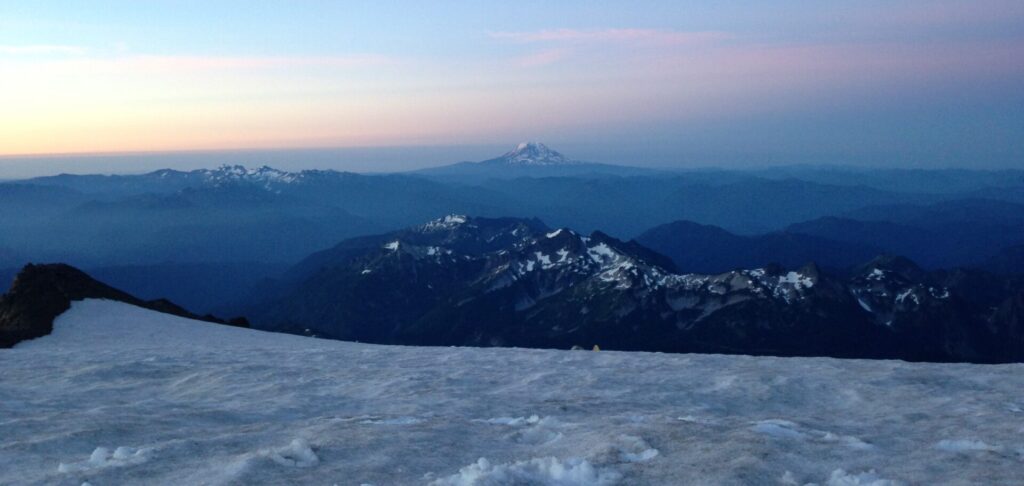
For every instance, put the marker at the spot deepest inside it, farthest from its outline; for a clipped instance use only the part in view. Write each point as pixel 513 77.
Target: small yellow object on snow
pixel 597 348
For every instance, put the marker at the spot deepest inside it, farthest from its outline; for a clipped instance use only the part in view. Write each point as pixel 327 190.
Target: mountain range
pixel 515 282
pixel 208 237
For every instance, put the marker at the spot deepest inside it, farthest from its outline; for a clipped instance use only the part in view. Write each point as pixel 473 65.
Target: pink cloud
pixel 543 58
pixel 205 63
pixel 633 36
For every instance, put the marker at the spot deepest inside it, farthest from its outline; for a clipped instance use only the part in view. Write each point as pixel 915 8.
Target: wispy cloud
pixel 947 13
pixel 207 63
pixel 543 58
pixel 149 63
pixel 646 36
pixel 41 49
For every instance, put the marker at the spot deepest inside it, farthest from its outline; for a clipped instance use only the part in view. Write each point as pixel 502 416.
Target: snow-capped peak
pixel 534 153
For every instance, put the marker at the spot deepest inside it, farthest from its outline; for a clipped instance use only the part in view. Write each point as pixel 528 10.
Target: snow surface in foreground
pixel 122 395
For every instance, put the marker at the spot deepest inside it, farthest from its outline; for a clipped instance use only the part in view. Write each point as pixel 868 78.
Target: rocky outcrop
pixel 40 293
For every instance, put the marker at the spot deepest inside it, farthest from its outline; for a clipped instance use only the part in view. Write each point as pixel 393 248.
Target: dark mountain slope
pixel 942 235
pixel 1008 261
pixel 708 249
pixel 627 206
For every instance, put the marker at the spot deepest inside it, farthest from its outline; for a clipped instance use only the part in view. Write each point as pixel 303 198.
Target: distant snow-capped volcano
pixel 533 153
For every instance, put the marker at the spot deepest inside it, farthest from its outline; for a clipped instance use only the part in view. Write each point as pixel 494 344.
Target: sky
pixel 916 83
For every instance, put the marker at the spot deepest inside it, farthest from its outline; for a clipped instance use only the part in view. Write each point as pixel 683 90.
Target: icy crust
pixel 122 395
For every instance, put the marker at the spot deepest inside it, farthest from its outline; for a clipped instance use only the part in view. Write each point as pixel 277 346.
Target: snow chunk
pixel 545 471
pixel 296 454
pixel 102 458
pixel 515 421
pixel 840 477
pixel 393 421
pixel 554 233
pixel 391 246
pixel 637 450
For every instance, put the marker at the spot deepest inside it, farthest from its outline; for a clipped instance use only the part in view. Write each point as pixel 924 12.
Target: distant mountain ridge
pixel 708 249
pixel 530 159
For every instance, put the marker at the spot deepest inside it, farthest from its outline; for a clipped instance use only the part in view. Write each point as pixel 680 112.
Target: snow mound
pixel 102 457
pixel 545 471
pixel 296 454
pixel 964 445
pixel 779 429
pixel 635 449
pixel 840 477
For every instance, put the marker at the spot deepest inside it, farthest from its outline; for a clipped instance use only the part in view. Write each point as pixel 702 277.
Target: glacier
pixel 122 395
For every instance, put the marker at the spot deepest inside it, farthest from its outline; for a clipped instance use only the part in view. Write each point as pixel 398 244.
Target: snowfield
pixel 123 395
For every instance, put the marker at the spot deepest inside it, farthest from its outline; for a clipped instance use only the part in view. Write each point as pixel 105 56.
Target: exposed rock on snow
pixel 42 292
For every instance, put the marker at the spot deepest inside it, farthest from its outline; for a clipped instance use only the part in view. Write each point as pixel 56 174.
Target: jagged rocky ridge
pixel 40 293
pixel 516 282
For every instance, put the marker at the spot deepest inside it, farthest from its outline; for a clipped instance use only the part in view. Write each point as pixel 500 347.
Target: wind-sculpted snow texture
pixel 122 395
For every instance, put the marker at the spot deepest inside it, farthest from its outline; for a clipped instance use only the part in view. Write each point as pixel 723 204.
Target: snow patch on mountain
pixel 534 154
pixel 265 176
pixel 448 222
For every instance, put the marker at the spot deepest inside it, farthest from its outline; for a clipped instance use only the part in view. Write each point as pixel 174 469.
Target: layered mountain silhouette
pixel 709 249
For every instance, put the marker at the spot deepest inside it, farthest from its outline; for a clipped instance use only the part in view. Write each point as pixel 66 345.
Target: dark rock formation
pixel 40 293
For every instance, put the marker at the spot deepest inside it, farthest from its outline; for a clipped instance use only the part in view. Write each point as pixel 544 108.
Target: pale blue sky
pixel 905 83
